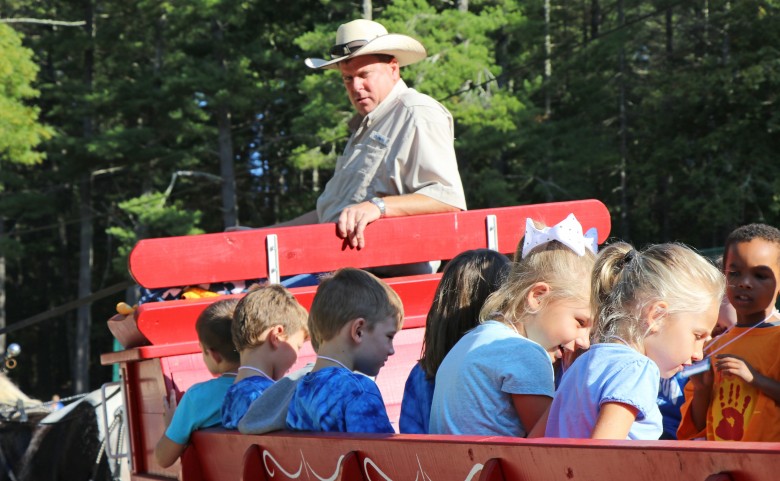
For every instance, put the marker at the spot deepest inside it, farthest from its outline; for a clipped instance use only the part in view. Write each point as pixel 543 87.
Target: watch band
pixel 380 204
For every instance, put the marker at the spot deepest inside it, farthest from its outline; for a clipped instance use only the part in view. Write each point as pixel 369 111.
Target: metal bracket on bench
pixel 491 226
pixel 272 254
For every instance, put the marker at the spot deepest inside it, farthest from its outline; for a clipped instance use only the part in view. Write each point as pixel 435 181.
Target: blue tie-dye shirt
pixel 335 399
pixel 416 404
pixel 240 396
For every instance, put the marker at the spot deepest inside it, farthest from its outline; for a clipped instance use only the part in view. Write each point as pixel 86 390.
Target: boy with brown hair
pixel 738 399
pixel 353 319
pixel 269 328
pixel 200 407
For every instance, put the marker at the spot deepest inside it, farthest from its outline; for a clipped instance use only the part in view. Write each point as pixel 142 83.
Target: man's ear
pixel 654 315
pixel 357 328
pixel 275 336
pixel 536 294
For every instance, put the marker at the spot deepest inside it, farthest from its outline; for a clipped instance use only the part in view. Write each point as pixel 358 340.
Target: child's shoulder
pixel 338 380
pixel 251 384
pixel 207 391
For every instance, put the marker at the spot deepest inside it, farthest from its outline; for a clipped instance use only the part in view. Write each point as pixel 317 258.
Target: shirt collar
pixel 381 109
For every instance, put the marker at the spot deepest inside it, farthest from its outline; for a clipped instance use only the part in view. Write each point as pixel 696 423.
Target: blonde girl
pixel 654 310
pixel 498 379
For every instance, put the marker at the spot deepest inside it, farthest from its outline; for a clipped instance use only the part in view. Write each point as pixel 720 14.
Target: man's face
pixel 368 81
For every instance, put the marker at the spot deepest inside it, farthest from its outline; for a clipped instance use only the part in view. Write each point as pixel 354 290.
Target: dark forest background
pixel 123 120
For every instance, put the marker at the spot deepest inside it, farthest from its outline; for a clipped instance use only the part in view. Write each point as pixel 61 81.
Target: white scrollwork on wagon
pixel 304 466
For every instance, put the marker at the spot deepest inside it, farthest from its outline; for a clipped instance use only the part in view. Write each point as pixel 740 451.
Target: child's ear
pixel 217 357
pixel 357 329
pixel 275 336
pixel 535 295
pixel 654 314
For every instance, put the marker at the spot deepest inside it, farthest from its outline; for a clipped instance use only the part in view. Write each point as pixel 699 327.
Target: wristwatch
pixel 380 204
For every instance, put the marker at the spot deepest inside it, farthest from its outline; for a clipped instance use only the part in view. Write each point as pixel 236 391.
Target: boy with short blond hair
pixel 739 398
pixel 269 328
pixel 201 405
pixel 353 319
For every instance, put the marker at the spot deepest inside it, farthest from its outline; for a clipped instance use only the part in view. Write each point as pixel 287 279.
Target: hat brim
pixel 405 49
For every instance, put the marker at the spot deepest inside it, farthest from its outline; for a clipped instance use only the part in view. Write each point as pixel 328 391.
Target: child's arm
pixel 531 409
pixel 167 452
pixel 736 366
pixel 614 421
pixel 700 403
pixel 539 430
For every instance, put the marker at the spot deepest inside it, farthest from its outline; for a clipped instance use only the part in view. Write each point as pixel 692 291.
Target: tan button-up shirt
pixel 403 146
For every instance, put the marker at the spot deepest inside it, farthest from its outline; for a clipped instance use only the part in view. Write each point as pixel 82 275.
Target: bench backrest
pixel 209 258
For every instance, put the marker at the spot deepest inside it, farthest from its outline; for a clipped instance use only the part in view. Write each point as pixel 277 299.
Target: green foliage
pixel 20 131
pixel 150 214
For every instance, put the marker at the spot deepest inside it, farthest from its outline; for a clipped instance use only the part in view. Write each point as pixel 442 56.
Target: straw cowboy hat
pixel 364 37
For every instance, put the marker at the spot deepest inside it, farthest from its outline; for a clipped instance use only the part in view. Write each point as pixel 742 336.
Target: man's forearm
pixel 414 204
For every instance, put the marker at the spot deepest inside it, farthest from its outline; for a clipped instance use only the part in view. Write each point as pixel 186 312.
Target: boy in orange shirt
pixel 739 398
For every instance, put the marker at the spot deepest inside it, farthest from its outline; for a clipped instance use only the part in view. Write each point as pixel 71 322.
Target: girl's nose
pixel 583 342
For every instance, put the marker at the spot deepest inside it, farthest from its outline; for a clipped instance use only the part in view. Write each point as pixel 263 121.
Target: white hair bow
pixel 568 232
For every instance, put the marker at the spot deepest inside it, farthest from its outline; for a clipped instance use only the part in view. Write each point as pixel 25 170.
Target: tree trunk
pixel 547 60
pixel 227 168
pixel 84 315
pixel 463 5
pixel 368 10
pixel 225 139
pixel 2 288
pixel 623 140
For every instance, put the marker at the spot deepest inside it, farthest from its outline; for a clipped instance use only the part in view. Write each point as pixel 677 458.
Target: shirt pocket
pixel 368 174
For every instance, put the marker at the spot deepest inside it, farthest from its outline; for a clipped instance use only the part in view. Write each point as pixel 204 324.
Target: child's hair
pixel 213 328
pixel 468 279
pixel 626 281
pixel 747 233
pixel 553 263
pixel 262 308
pixel 350 294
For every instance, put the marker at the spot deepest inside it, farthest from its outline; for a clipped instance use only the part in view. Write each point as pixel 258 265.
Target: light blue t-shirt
pixel 335 399
pixel 240 396
pixel 476 381
pixel 416 403
pixel 199 408
pixel 606 373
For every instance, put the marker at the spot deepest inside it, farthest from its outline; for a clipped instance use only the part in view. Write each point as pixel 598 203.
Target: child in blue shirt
pixel 269 328
pixel 200 406
pixel 353 320
pixel 469 278
pixel 498 378
pixel 655 309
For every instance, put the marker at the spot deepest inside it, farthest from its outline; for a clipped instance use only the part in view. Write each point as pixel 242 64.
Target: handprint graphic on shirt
pixel 731 426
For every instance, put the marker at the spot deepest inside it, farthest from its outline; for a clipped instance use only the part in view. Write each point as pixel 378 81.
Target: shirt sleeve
pixel 431 167
pixel 183 422
pixel 531 373
pixel 636 384
pixel 411 421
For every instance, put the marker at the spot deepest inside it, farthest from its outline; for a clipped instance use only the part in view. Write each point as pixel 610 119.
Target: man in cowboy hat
pixel 400 159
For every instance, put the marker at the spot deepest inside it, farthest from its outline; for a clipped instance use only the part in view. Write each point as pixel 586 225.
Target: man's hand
pixel 736 366
pixel 353 221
